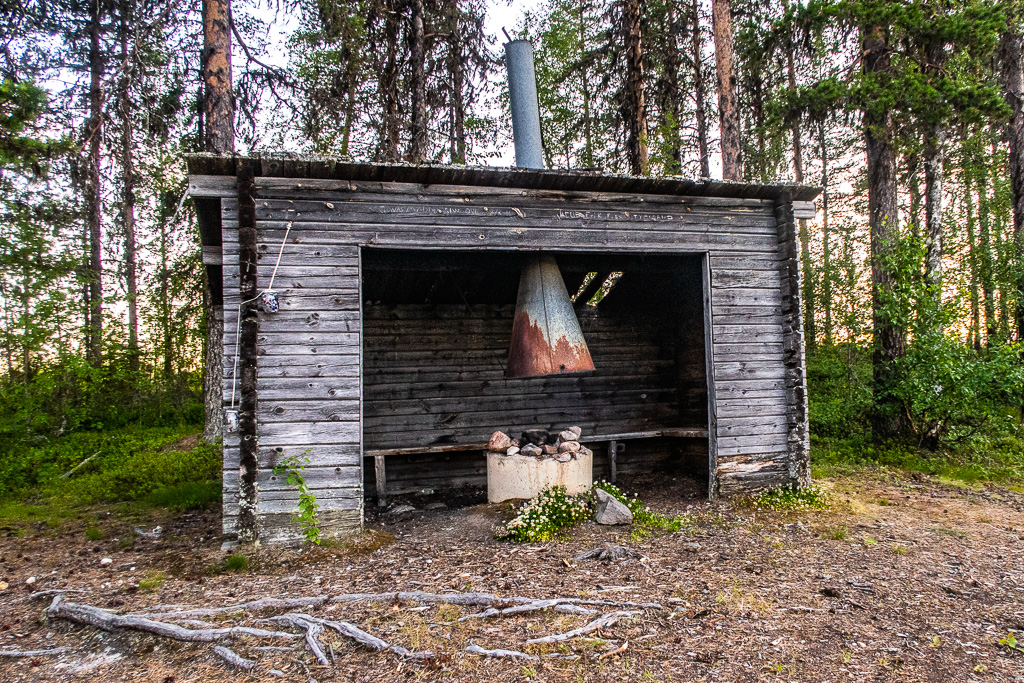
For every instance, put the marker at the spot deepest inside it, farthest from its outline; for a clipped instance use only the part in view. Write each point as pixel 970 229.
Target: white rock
pixel 30 580
pixel 569 447
pixel 106 562
pixel 577 431
pixel 610 510
pixel 512 450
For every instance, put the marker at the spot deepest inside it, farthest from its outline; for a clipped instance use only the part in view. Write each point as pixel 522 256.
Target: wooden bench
pixel 614 448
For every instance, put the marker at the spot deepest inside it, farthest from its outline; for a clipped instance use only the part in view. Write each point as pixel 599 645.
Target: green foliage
pixel 122 465
pixel 189 495
pixel 236 563
pixel 543 516
pixel 152 582
pixel 1010 643
pixel 294 467
pixel 839 382
pixel 839 533
pixel 646 522
pixel 94 533
pixel 793 499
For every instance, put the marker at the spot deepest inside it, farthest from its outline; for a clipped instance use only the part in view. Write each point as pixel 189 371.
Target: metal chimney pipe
pixel 522 90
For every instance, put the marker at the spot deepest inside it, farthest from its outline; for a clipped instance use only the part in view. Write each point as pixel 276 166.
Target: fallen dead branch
pixel 234 659
pixel 499 654
pixel 616 651
pixel 603 621
pixel 34 653
pixel 93 616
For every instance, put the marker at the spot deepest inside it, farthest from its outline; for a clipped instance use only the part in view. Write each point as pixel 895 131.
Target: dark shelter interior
pixel 436 332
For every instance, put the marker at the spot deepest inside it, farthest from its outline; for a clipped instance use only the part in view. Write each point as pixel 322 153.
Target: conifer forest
pixel 907 114
pixel 895 555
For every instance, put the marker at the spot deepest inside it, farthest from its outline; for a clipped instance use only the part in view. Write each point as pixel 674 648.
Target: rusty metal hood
pixel 546 336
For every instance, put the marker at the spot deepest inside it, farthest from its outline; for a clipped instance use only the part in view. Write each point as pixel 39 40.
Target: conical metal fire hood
pixel 546 336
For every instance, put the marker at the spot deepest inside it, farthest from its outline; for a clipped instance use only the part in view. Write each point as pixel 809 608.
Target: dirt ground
pixel 902 579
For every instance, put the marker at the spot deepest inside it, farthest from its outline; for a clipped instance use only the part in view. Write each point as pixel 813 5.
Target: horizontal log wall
pixel 310 364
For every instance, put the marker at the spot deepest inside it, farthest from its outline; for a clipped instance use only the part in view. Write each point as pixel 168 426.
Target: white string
pixel 238 321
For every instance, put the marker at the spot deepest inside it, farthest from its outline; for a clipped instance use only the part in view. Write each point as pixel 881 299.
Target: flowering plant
pixel 541 517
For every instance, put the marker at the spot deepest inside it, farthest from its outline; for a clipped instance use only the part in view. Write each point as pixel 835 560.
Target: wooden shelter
pixel 384 365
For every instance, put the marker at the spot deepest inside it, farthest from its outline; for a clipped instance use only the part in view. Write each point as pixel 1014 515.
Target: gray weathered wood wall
pixel 310 364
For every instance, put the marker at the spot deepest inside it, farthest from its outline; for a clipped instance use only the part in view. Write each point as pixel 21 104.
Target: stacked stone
pixel 539 443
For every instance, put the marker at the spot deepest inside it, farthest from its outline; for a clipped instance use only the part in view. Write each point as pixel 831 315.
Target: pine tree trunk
pixel 670 95
pixel 458 102
pixel 588 133
pixel 1012 76
pixel 128 191
pixel 804 233
pixel 698 93
pixel 636 114
pixel 883 218
pixel 728 104
pixel 388 86
pixel 418 87
pixel 219 98
pixel 94 135
pixel 219 128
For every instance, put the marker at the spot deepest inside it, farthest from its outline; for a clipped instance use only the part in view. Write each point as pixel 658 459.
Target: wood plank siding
pixel 396 307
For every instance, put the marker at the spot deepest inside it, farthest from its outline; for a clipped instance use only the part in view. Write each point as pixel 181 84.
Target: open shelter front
pixel 396 286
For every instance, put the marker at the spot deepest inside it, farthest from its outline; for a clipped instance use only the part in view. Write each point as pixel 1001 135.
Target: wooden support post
pixel 614 448
pixel 248 520
pixel 382 480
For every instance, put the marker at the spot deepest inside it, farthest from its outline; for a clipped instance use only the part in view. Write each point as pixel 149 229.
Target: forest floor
pixel 902 578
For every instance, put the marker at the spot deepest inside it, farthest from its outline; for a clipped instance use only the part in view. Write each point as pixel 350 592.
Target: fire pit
pixel 523 467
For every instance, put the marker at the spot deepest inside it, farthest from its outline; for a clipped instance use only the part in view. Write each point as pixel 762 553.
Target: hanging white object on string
pixel 269 303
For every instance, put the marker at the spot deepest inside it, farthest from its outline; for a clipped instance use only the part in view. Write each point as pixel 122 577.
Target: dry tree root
pixel 93 616
pixel 558 604
pixel 603 621
pixel 34 653
pixel 505 654
pixel 235 660
pixel 489 600
pixel 608 553
pixel 314 626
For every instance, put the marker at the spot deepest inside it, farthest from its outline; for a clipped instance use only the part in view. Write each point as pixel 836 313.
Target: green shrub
pixel 645 521
pixel 790 498
pixel 189 495
pixel 153 581
pixel 94 533
pixel 236 563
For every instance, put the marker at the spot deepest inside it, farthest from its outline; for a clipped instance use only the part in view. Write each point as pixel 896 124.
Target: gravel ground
pixel 901 579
